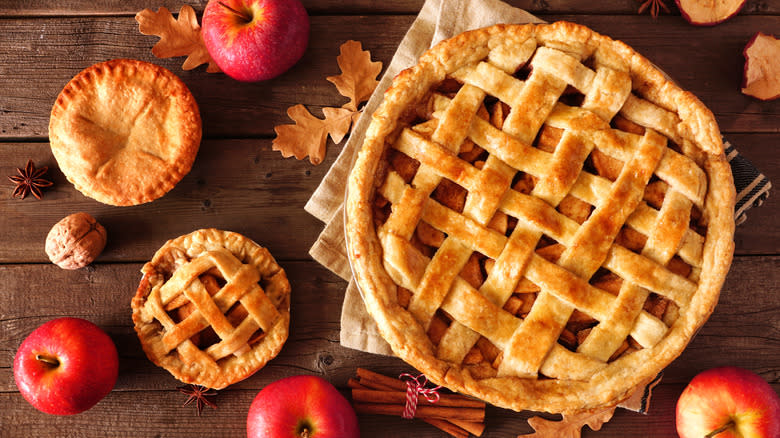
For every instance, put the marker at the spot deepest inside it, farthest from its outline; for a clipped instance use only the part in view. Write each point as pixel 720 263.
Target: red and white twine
pixel 416 386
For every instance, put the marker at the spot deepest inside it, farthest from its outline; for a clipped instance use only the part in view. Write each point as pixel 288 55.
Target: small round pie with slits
pixel 125 132
pixel 212 308
pixel 539 218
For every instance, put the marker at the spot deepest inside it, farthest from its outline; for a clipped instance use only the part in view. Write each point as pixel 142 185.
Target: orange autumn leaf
pixel 178 37
pixel 358 74
pixel 309 134
pixel 570 426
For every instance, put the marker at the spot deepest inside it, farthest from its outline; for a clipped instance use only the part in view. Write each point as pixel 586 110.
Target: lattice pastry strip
pixel 604 101
pixel 647 329
pixel 660 247
pixel 497 288
pixel 450 133
pixel 583 257
pixel 536 100
pixel 590 188
pixel 679 171
pixel 211 310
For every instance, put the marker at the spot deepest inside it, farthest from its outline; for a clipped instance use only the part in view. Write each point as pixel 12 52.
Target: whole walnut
pixel 75 241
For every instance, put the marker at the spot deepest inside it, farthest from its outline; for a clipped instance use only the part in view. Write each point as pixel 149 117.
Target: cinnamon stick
pixel 356 384
pixel 375 393
pixel 472 427
pixel 379 379
pixel 436 412
pixel 397 397
pixel 448 427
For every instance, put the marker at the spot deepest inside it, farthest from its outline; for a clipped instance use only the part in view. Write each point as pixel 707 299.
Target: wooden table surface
pixel 238 183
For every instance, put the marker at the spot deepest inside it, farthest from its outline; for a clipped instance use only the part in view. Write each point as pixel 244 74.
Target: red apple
pixel 728 402
pixel 301 407
pixel 253 40
pixel 66 366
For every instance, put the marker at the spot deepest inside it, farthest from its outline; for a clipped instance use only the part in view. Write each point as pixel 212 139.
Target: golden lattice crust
pixel 539 218
pixel 124 132
pixel 213 307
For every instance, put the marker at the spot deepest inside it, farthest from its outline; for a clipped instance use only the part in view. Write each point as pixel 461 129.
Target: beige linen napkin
pixel 438 20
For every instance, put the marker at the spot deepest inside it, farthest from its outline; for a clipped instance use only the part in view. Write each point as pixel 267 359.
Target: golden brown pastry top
pixel 125 132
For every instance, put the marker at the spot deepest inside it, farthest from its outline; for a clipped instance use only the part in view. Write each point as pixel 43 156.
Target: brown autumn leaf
pixel 358 74
pixel 309 134
pixel 178 37
pixel 570 426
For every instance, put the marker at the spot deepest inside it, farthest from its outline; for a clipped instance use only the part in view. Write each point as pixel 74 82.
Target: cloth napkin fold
pixel 439 20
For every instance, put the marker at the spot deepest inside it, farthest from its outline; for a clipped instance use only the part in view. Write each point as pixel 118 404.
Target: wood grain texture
pixel 743 331
pixel 233 109
pixel 106 7
pixel 244 186
pixel 238 183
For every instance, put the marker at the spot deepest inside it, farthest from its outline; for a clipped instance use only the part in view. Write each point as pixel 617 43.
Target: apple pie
pixel 212 308
pixel 125 132
pixel 539 218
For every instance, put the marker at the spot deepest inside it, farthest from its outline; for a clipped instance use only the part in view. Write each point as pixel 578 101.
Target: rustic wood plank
pixel 145 402
pixel 237 185
pixel 233 109
pixel 105 7
pixel 740 331
pixel 159 413
pixel 244 186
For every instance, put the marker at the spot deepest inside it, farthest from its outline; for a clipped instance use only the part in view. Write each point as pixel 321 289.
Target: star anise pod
pixel 198 394
pixel 29 181
pixel 655 7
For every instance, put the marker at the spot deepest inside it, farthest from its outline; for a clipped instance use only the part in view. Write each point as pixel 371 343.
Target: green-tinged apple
pixel 301 407
pixel 66 366
pixel 254 40
pixel 728 402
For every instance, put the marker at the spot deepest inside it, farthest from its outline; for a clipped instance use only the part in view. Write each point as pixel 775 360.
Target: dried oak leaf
pixel 570 426
pixel 358 74
pixel 309 134
pixel 178 37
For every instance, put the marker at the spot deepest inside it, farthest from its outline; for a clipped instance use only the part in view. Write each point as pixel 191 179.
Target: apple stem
pixel 48 360
pixel 719 430
pixel 244 16
pixel 305 433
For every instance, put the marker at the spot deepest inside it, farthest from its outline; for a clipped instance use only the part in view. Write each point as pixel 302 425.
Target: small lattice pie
pixel 125 132
pixel 213 307
pixel 539 218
